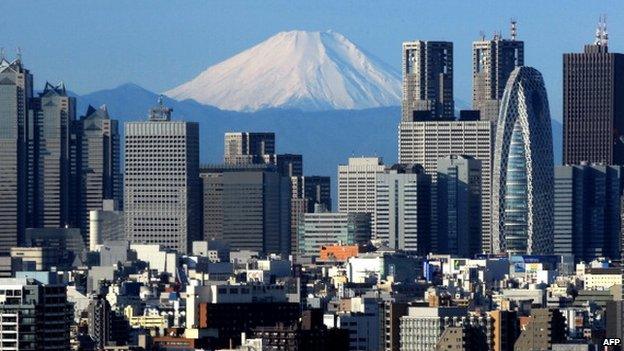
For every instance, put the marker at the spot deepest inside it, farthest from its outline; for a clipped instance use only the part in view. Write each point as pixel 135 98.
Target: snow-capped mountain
pixel 296 69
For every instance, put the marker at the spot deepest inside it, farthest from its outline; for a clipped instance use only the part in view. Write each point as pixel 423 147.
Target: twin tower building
pixel 508 132
pixel 528 206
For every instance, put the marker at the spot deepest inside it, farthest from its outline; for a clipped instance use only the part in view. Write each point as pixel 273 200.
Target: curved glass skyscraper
pixel 523 176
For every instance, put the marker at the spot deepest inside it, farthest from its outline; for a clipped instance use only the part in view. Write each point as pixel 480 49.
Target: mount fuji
pixel 310 71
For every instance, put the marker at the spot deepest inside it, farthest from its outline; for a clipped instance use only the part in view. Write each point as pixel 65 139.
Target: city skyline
pixel 116 234
pixel 133 58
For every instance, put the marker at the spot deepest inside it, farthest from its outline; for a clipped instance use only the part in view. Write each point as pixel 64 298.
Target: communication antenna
pixel 1 54
pixel 514 29
pixel 19 54
pixel 482 35
pixel 602 36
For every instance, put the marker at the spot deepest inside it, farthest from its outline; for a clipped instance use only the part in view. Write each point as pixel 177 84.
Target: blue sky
pixel 94 45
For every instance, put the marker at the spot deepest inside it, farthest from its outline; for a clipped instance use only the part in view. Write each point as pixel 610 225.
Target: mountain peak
pixel 296 69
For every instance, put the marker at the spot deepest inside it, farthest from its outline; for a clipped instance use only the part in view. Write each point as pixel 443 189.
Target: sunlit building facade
pixel 523 180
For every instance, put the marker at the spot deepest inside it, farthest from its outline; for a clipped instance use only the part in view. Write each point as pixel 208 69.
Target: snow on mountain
pixel 297 69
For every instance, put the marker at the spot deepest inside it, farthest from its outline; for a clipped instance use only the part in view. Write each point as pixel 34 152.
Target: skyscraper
pixel 427 80
pixel 15 131
pixel 593 104
pixel 425 143
pixel 317 190
pixel 356 184
pixel 331 228
pixel 402 208
pixel 161 182
pixel 247 206
pixel 492 63
pixel 244 147
pixel 307 193
pixel 98 164
pixel 587 211
pixel 458 194
pixel 522 196
pixel 55 173
pixel 288 165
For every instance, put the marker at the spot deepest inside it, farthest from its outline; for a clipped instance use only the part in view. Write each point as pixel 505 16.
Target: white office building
pixel 356 184
pixel 425 142
pixel 161 182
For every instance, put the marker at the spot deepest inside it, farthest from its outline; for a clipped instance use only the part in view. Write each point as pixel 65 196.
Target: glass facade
pixel 516 194
pixel 523 176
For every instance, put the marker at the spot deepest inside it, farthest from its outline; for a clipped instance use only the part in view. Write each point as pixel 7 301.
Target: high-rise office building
pixel 522 187
pixel 288 165
pixel 427 80
pixel 16 92
pixel 356 184
pixel 244 147
pixel 37 313
pixel 593 104
pixel 587 203
pixel 402 208
pixel 331 228
pixel 98 164
pixel 55 173
pixel 317 190
pixel 247 206
pixel 458 194
pixel 425 143
pixel 161 181
pixel 492 62
pixel 307 192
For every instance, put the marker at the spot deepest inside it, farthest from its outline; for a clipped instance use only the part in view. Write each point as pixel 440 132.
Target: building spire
pixel 18 56
pixel 1 54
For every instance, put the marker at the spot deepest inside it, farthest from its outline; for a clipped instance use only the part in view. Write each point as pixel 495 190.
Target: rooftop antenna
pixel 482 35
pixel 1 54
pixel 514 29
pixel 19 54
pixel 602 37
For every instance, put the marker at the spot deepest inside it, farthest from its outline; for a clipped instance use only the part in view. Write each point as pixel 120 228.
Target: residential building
pixel 421 328
pixel 427 80
pixel 161 182
pixel 506 329
pixel 523 180
pixel 100 320
pixel 34 315
pixel 540 330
